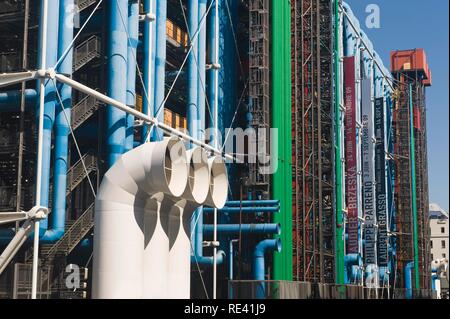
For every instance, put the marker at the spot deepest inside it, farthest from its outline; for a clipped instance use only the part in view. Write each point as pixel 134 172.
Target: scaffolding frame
pixel 312 144
pixel 403 179
pixel 259 91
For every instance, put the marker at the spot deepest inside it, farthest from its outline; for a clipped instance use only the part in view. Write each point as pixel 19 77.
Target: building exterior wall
pixel 439 238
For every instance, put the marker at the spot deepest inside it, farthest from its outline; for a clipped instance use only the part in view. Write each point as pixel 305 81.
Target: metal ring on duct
pixel 218 185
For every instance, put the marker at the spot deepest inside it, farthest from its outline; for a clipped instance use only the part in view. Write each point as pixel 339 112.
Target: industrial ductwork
pixel 142 222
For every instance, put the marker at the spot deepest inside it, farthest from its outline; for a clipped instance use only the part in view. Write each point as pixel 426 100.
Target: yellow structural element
pixel 171 118
pixel 175 33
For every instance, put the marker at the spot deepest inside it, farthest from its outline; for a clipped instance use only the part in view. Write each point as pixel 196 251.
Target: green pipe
pixel 339 239
pixel 281 120
pixel 413 191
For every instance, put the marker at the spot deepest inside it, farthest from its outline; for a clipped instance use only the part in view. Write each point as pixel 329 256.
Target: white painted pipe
pixel 126 210
pixel 16 243
pixel 179 226
pixel 218 183
pixel 43 49
pixel 142 221
pixel 138 115
pixel 156 230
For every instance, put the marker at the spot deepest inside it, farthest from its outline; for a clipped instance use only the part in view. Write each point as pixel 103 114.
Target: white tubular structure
pixel 197 189
pixel 218 185
pixel 142 219
pixel 129 190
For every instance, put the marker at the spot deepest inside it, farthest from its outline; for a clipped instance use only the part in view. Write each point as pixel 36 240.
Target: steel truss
pixel 312 145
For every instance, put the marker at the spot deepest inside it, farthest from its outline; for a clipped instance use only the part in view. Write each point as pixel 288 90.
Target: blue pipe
pixel 408 280
pixel 192 117
pixel 384 275
pixel 117 86
pixel 352 264
pixel 434 278
pixel 201 85
pixel 160 65
pixel 149 58
pixel 10 100
pixel 253 203
pixel 267 245
pixel 133 31
pixel 213 75
pixel 62 130
pixel 232 229
pixel 203 260
pixel 275 209
pixel 230 258
pixel 49 105
pixel 349 39
pixel 356 274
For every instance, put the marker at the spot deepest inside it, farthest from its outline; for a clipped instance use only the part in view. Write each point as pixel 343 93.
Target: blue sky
pixel 408 24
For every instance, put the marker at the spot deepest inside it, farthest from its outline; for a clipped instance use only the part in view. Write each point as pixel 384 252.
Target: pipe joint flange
pixel 150 17
pixel 138 123
pixel 211 244
pixel 51 73
pixel 38 212
pixel 216 66
pixel 41 73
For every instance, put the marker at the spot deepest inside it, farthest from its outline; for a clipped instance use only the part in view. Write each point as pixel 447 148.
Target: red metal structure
pixel 411 67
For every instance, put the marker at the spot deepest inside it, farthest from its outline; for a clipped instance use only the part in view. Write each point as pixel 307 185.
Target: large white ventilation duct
pixel 179 227
pixel 142 222
pixel 129 191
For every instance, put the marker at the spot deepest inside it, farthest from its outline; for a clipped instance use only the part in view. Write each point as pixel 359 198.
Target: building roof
pixel 437 212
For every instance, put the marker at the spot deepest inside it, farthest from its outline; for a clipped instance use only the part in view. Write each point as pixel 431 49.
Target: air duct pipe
pixel 160 65
pixel 62 126
pixel 408 279
pixel 116 84
pixel 353 263
pixel 10 100
pixel 217 196
pixel 274 209
pixel 201 84
pixel 267 245
pixel 192 119
pixel 149 61
pixel 126 215
pixel 133 31
pixel 192 111
pixel 54 46
pixel 179 223
pixel 238 203
pixel 233 229
pixel 213 79
pixel 195 194
pixel 49 107
pixel 141 244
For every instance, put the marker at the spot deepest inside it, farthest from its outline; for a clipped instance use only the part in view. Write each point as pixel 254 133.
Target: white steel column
pixel 43 49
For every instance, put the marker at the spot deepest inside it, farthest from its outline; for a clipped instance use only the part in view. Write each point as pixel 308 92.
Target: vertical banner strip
pixel 351 180
pixel 380 187
pixel 368 175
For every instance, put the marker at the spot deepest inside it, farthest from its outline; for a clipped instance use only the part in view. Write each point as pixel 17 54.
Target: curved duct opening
pixel 174 164
pixel 140 247
pixel 179 270
pixel 198 177
pixel 218 183
pixel 126 199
